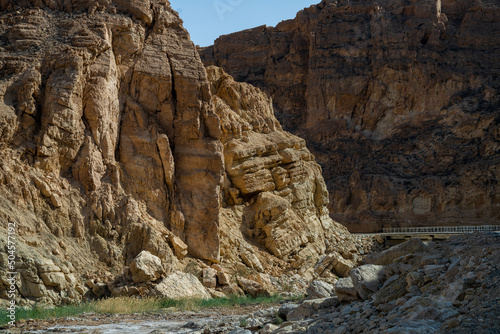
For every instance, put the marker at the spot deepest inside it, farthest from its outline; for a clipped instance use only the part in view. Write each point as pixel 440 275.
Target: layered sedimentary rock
pixel 274 193
pixel 398 100
pixel 110 145
pixel 116 143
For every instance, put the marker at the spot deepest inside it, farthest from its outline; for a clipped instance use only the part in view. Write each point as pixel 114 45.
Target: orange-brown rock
pixel 398 100
pixel 108 137
pixel 115 142
pixel 119 104
pixel 274 193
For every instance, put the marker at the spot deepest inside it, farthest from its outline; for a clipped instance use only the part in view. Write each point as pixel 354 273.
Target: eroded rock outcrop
pixel 398 100
pixel 122 160
pixel 272 184
pixel 109 139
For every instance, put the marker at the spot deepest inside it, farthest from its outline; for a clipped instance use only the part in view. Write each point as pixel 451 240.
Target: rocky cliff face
pixel 109 139
pixel 115 143
pixel 398 100
pixel 274 196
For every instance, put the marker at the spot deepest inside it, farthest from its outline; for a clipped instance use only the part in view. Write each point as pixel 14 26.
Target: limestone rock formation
pixel 398 100
pixel 109 141
pixel 116 141
pixel 272 185
pixel 108 136
pixel 368 279
pixel 345 290
pixel 319 289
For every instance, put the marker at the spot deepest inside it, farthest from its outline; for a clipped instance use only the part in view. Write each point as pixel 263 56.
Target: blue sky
pixel 208 19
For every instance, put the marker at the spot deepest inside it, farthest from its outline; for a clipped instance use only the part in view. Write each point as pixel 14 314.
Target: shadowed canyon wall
pixel 398 101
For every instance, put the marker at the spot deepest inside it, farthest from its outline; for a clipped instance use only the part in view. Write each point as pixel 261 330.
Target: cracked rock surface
pixel 398 100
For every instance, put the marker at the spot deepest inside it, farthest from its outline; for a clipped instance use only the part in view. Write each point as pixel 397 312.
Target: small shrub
pixel 243 322
pixel 277 320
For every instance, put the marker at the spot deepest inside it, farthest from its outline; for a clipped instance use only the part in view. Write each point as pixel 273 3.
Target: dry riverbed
pixel 216 320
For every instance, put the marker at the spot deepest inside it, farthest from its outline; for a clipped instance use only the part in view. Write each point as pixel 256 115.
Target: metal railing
pixel 442 229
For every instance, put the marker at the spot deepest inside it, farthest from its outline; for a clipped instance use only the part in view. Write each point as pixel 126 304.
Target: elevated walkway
pixel 395 235
pixel 441 229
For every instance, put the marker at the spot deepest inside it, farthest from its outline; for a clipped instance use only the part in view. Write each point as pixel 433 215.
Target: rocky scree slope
pixel 398 100
pixel 122 160
pixel 446 287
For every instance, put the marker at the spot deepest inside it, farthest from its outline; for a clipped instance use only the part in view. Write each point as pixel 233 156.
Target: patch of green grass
pixel 243 322
pixel 196 304
pixel 128 305
pixel 46 313
pixel 3 317
pixel 238 300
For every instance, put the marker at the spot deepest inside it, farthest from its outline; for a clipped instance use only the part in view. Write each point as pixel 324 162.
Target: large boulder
pixel 367 279
pixel 341 266
pixel 180 285
pixel 345 291
pixel 319 289
pixel 252 288
pixel 223 278
pixel 336 263
pixel 305 310
pixel 393 288
pixel 285 309
pixel 180 248
pixel 388 256
pixel 309 307
pixel 146 267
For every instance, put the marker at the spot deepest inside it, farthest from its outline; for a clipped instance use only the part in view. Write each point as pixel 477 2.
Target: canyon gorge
pixel 134 163
pixel 398 101
pixel 125 160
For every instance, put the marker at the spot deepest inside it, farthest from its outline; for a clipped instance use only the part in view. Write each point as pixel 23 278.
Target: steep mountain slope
pixel 115 141
pixel 398 100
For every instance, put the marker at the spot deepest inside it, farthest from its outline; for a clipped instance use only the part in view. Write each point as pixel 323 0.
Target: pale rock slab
pixel 367 279
pixel 415 245
pixel 180 285
pixel 146 267
pixel 319 289
pixel 345 290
